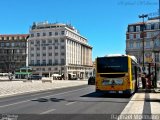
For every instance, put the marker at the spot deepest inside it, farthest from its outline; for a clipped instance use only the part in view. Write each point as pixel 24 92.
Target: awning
pixel 56 75
pixel 23 73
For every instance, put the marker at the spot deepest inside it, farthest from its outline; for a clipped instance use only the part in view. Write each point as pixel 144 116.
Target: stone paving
pixel 8 88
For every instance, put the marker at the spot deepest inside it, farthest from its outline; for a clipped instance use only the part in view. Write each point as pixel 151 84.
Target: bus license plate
pixel 112 91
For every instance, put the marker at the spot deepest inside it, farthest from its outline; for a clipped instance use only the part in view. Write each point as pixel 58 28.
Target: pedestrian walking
pixel 153 79
pixel 143 78
pixel 148 80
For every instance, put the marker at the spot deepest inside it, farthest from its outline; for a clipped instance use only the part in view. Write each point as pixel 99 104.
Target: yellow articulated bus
pixel 117 74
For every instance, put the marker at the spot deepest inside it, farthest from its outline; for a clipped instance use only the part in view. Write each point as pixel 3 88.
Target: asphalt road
pixel 60 104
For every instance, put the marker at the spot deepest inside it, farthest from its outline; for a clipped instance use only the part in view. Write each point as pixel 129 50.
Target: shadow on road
pixel 104 95
pixel 145 91
pixel 152 100
pixel 90 97
pixel 47 100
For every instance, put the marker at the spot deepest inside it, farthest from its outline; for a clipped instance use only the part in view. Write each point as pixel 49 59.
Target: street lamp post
pixel 143 16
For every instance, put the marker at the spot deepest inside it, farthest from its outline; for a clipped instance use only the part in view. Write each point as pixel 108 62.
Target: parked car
pixel 91 80
pixel 35 77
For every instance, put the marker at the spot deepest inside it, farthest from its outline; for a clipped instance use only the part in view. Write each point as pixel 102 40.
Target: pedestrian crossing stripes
pixel 142 104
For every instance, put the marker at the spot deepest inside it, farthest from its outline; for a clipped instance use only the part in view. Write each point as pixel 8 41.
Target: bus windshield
pixel 112 64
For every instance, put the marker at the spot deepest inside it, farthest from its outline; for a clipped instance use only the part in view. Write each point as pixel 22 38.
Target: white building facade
pixel 58 49
pixel 134 43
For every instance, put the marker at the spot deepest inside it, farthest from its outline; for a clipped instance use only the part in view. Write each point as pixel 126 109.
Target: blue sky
pixel 102 22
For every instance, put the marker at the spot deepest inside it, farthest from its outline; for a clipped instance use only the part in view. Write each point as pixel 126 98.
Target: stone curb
pixel 37 91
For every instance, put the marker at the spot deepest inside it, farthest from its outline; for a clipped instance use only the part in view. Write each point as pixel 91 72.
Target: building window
pixel 44 62
pixel 147 44
pixel 43 69
pixel 156 57
pixel 7 44
pixel 156 26
pixel 156 43
pixel 44 54
pixel 38 42
pixel 131 29
pixel 56 47
pixel 50 33
pixel 23 44
pixel 50 61
pixel 56 61
pixel 62 61
pixel 38 48
pixel 56 33
pixel 131 45
pixel 32 35
pixel 50 47
pixel 148 34
pixel 2 44
pixel 44 48
pixel 137 28
pixel 56 54
pixel 32 55
pixel 12 44
pixel 156 33
pixel 44 34
pixel 43 41
pixel 32 42
pixel 49 54
pixel 62 54
pixel 62 40
pixel 137 36
pixel 38 34
pixel 56 40
pixel 32 62
pixel 138 45
pixel 148 27
pixel 130 36
pixel 38 62
pixel 62 32
pixel 38 54
pixel 62 47
pixel 49 41
pixel 32 48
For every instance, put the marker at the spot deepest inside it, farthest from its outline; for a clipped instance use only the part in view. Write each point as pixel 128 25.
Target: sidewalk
pixel 9 88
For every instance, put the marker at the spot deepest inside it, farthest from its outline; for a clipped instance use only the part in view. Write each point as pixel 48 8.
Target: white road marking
pixel 14 103
pixel 155 105
pixel 135 105
pixel 48 111
pixel 70 103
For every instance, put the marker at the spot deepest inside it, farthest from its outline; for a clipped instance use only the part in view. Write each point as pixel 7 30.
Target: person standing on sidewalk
pixel 143 78
pixel 148 80
pixel 153 79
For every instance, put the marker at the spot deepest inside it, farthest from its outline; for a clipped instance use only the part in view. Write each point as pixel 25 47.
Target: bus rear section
pixel 114 75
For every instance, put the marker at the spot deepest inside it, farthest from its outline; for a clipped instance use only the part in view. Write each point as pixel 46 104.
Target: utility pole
pixel 143 16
